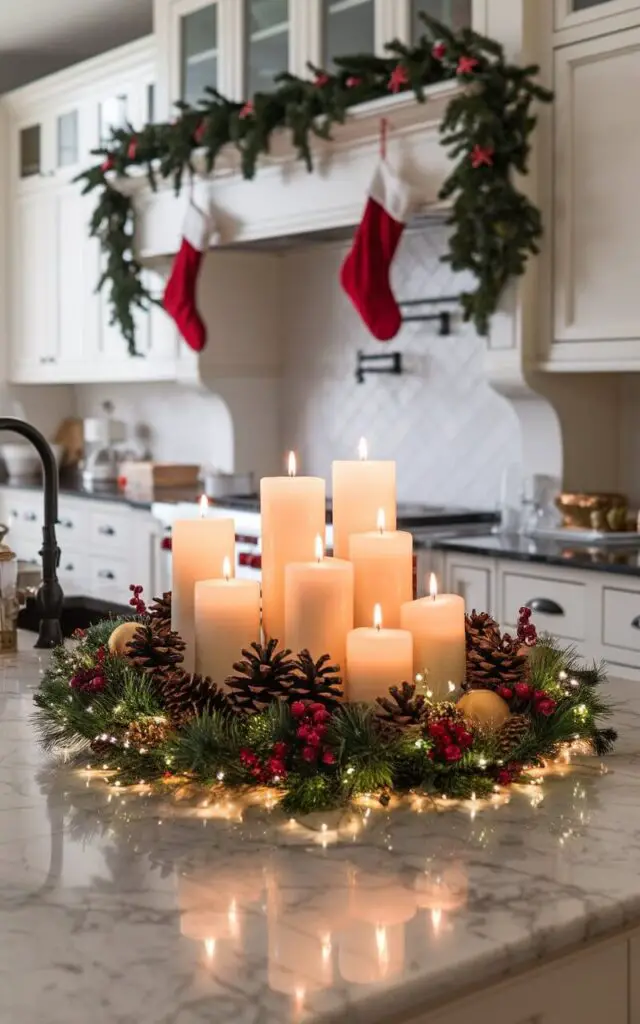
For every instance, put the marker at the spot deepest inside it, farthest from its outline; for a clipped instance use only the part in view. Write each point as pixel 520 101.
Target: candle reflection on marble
pixel 371 953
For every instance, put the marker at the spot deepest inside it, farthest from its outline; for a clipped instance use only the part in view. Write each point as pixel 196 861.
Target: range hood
pixel 286 204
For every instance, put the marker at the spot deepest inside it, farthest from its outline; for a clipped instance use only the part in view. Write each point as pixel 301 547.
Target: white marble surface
pixel 117 909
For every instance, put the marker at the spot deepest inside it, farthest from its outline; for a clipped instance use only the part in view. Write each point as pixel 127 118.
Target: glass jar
pixel 9 606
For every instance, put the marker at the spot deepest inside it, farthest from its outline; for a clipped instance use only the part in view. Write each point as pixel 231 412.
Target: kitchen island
pixel 118 906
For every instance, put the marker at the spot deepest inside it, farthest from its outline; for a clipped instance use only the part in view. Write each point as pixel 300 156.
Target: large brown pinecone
pixel 315 681
pixel 261 677
pixel 403 707
pixel 156 649
pixel 147 732
pixel 160 610
pixel 511 734
pixel 493 659
pixel 185 695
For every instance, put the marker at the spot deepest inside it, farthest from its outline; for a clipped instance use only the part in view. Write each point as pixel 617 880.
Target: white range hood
pixel 284 201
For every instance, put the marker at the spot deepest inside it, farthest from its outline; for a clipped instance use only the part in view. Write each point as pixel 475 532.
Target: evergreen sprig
pixel 495 228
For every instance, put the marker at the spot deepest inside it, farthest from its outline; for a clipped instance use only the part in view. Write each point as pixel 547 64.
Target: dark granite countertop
pixel 617 558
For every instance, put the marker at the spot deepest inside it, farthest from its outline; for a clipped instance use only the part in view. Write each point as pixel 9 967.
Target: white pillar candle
pixel 377 659
pixel 437 626
pixel 319 606
pixel 382 572
pixel 293 514
pixel 199 547
pixel 227 618
pixel 359 490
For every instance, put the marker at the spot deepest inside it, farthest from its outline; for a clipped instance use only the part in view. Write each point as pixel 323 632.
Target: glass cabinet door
pixel 113 113
pixel 198 52
pixel 30 150
pixel 581 5
pixel 349 28
pixel 454 13
pixel 267 42
pixel 67 142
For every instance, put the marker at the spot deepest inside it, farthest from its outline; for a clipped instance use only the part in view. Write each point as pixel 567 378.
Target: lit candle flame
pixel 292 467
pixel 210 948
pixel 319 549
pixel 383 948
pixel 381 520
pixel 433 586
pixel 226 568
pixel 377 617
pixel 204 506
pixel 363 449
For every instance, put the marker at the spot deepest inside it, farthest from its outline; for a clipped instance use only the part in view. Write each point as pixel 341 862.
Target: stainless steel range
pixel 427 522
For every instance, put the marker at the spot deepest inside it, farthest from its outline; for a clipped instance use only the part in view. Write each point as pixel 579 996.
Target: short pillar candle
pixel 199 547
pixel 382 572
pixel 359 490
pixel 437 626
pixel 319 606
pixel 377 658
pixel 227 618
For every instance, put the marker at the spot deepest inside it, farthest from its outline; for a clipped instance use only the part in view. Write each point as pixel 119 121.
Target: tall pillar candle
pixel 293 515
pixel 199 547
pixel 360 489
pixel 319 606
pixel 382 572
pixel 227 618
pixel 437 626
pixel 377 658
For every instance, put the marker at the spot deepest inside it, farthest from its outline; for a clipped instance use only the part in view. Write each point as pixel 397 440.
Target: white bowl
pixel 21 460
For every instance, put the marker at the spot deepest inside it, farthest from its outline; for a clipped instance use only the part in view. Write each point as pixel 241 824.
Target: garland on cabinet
pixel 486 130
pixel 119 702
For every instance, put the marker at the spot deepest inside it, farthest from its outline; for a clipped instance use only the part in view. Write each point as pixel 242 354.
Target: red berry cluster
pixel 439 50
pixel 311 731
pixel 268 770
pixel 91 680
pixel 527 632
pixel 136 601
pixel 525 695
pixel 508 774
pixel 451 739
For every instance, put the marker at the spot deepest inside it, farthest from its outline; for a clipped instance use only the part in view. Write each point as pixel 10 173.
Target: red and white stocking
pixel 365 272
pixel 180 294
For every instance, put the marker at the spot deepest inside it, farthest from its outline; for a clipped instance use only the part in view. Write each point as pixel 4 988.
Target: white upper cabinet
pixel 586 19
pixel 267 42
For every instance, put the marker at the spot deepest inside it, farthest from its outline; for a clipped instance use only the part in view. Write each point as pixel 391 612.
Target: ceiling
pixel 38 37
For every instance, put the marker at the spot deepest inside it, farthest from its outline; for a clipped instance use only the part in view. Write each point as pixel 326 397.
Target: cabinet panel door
pixel 76 269
pixel 597 215
pixel 593 17
pixel 34 321
pixel 472 584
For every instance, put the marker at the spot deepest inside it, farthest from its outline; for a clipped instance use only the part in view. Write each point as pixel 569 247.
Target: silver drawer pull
pixel 66 524
pixel 106 574
pixel 31 517
pixel 106 531
pixel 636 622
pixel 545 606
pixel 69 568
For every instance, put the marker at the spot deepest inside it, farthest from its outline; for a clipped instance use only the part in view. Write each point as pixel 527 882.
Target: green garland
pixel 486 131
pixel 97 708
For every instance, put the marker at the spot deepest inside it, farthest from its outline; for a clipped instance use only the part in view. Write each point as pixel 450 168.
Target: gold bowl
pixel 606 512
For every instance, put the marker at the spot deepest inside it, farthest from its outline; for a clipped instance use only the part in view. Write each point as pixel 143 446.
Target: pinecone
pixel 102 749
pixel 493 659
pixel 262 677
pixel 160 610
pixel 404 707
pixel 147 732
pixel 511 734
pixel 315 681
pixel 156 649
pixel 187 695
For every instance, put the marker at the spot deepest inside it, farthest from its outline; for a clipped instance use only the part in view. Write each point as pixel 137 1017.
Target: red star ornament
pixel 439 50
pixel 108 165
pixel 399 78
pixel 466 66
pixel 482 156
pixel 247 111
pixel 198 135
pixel 353 82
pixel 132 150
pixel 321 80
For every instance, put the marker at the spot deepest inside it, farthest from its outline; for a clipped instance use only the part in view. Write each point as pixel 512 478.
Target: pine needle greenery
pixel 100 709
pixel 486 132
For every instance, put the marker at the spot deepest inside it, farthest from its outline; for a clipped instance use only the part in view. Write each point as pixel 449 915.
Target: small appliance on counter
pixel 217 485
pixel 102 458
pixel 139 479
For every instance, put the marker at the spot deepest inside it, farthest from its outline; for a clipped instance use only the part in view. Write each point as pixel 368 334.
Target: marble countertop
pixel 616 558
pixel 118 907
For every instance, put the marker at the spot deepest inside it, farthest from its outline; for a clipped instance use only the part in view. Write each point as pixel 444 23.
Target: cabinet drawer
pixel 621 619
pixel 72 572
pixel 472 584
pixel 558 607
pixel 108 578
pixel 25 515
pixel 73 524
pixel 108 531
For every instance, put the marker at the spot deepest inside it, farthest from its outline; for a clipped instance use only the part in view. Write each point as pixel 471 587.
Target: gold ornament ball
pixel 121 637
pixel 485 708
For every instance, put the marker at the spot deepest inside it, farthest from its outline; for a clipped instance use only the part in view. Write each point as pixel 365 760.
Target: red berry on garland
pixel 320 716
pixel 277 766
pixel 247 111
pixel 316 708
pixel 523 691
pixel 439 50
pixel 482 156
pixel 309 754
pixel 298 709
pixel 353 82
pixel 132 149
pixel 465 740
pixel 505 692
pixel 466 65
pixel 108 165
pixel 399 79
pixel 437 730
pixel 504 777
pixel 453 753
pixel 280 749
pixel 303 732
pixel 322 79
pixel 328 757
pixel 199 134
pixel 540 695
pixel 313 739
pixel 546 707
pixel 321 731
